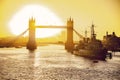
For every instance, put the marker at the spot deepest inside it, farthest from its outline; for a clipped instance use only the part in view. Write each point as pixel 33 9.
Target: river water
pixel 52 62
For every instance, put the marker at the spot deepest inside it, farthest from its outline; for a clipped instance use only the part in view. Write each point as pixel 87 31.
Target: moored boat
pixel 91 47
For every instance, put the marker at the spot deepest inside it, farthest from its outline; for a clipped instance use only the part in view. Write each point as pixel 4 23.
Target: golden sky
pixel 105 14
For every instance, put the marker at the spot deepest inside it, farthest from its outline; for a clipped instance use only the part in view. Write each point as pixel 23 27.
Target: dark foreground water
pixel 54 63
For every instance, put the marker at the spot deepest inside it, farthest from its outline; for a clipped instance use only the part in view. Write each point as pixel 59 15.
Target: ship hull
pixel 92 54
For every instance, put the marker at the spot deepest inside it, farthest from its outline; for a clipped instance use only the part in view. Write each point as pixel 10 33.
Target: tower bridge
pixel 31 45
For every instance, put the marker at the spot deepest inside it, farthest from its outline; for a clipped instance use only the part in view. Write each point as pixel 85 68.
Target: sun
pixel 43 16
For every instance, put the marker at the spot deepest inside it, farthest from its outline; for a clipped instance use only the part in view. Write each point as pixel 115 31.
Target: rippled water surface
pixel 52 62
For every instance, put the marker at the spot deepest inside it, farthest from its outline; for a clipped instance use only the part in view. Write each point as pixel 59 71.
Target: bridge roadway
pixel 50 26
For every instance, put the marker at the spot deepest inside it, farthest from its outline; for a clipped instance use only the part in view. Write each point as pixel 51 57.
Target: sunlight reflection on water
pixel 46 56
pixel 53 57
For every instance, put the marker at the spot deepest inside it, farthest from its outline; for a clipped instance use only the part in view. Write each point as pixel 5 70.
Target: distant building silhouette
pixel 111 41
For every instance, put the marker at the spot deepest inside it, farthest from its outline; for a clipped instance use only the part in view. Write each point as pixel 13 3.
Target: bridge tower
pixel 69 43
pixel 31 45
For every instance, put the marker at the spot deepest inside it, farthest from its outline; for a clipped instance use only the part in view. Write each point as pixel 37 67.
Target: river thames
pixel 53 62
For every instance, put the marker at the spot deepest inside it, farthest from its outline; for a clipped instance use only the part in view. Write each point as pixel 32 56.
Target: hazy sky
pixel 105 14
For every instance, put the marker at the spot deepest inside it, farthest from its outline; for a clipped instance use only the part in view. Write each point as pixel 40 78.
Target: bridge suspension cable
pixel 78 34
pixel 17 37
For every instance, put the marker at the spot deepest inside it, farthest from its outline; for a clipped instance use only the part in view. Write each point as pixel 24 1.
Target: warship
pixel 91 47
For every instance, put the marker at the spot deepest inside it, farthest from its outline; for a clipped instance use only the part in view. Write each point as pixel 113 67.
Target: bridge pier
pixel 69 45
pixel 31 45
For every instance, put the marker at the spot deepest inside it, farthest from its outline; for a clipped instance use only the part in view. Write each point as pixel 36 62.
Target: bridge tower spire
pixel 31 45
pixel 69 43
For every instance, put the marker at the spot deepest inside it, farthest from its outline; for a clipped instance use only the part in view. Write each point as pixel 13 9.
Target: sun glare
pixel 43 16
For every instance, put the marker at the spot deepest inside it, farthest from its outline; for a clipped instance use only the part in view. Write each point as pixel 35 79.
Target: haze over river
pixel 53 62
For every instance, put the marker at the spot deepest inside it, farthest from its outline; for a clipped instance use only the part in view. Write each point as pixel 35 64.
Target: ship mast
pixel 93 35
pixel 86 34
